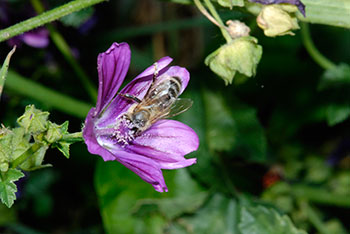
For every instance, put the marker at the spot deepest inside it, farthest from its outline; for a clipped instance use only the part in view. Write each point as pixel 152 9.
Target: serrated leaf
pixel 8 187
pixel 337 113
pixel 263 220
pixel 336 77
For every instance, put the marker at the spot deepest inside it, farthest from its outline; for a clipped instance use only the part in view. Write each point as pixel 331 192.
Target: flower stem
pixel 63 47
pixel 46 17
pixel 312 50
pixel 73 137
pixel 215 19
pixel 29 152
pixel 47 96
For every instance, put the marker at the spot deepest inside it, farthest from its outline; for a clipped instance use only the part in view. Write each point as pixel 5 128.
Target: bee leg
pixel 130 97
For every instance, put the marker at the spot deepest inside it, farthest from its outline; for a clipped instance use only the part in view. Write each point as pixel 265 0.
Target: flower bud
pixel 276 20
pixel 33 120
pixel 241 55
pixel 237 28
pixel 55 131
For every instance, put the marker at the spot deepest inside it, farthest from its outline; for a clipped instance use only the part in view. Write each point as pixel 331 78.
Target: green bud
pixel 241 55
pixel 6 136
pixel 4 167
pixel 33 120
pixel 276 20
pixel 55 132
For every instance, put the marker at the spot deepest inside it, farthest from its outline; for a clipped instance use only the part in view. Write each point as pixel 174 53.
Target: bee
pixel 161 101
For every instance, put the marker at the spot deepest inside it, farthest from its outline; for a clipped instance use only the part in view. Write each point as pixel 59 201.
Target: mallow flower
pixel 107 133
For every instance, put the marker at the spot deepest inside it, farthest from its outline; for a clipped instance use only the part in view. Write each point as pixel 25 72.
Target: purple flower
pixel 108 133
pixel 297 3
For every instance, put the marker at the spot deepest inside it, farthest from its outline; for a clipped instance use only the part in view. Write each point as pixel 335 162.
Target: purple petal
pixel 90 138
pixel 297 3
pixel 38 38
pixel 112 68
pixel 166 142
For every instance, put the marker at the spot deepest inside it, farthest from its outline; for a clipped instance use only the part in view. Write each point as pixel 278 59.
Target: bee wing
pixel 180 105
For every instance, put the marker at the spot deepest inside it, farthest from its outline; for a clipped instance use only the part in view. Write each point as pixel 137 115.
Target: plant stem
pixel 47 96
pixel 29 152
pixel 215 20
pixel 320 196
pixel 63 47
pixel 46 17
pixel 312 50
pixel 314 218
pixel 218 19
pixel 73 137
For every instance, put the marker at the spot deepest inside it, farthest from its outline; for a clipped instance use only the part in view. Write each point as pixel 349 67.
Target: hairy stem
pixel 63 47
pixel 46 17
pixel 312 50
pixel 27 154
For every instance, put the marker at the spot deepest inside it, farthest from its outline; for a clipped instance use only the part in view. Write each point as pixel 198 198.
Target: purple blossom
pixel 297 3
pixel 107 133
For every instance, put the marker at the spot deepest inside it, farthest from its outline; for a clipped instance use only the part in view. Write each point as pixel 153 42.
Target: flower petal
pixel 89 136
pixel 112 68
pixel 166 142
pixel 37 38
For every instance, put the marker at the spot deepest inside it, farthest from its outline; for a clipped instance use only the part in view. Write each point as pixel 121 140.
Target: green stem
pixel 46 17
pixel 47 96
pixel 73 137
pixel 28 153
pixel 312 50
pixel 320 196
pixel 213 11
pixel 215 19
pixel 314 218
pixel 63 47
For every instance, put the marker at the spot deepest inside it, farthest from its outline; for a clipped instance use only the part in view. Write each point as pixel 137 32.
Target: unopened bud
pixel 237 28
pixel 276 20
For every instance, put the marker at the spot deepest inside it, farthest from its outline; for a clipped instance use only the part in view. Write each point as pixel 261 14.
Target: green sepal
pixel 64 148
pixel 241 55
pixel 8 187
pixel 33 120
pixel 35 160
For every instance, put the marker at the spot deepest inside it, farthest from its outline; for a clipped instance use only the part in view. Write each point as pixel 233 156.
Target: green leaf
pixel 64 148
pixel 221 130
pixel 4 68
pixel 129 205
pixel 334 13
pixel 263 220
pixel 34 161
pixel 8 187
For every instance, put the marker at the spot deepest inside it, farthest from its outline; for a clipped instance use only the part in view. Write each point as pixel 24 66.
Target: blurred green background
pixel 274 144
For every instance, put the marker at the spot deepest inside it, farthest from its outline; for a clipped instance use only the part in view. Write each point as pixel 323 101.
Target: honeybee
pixel 161 101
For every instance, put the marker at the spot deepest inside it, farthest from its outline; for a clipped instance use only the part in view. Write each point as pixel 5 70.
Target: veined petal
pixel 112 68
pixel 90 139
pixel 166 142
